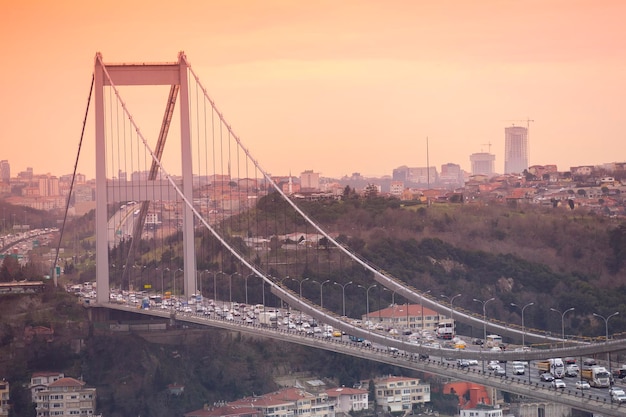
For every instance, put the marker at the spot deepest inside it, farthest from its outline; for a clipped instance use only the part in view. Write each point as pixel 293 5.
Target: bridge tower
pixel 174 74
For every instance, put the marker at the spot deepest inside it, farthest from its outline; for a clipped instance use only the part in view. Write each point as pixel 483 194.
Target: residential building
pixel 66 396
pixel 396 188
pixel 290 402
pixel 515 149
pixel 226 411
pixel 4 398
pixel 451 175
pixel 397 393
pixel 484 411
pixel 348 399
pixel 412 317
pixel 39 381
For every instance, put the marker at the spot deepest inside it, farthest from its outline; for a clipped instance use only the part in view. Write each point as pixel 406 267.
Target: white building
pixel 348 399
pixel 482 412
pixel 4 398
pixel 396 393
pixel 66 397
pixel 39 381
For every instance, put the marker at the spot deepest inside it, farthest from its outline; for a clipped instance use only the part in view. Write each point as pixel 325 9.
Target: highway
pixel 441 361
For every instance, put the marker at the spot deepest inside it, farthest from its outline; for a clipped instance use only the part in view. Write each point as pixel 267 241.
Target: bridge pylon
pixel 141 74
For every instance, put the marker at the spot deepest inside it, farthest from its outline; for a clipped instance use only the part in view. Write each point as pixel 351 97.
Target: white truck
pixel 268 319
pixel 597 376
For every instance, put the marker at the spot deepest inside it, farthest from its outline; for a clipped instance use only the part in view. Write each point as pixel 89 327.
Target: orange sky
pixel 333 86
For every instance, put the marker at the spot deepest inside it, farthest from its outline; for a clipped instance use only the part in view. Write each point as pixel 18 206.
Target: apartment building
pixel 66 397
pixel 348 399
pixel 396 393
pixel 4 398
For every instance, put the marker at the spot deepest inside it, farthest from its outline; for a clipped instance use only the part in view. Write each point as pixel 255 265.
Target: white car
pixel 558 383
pixel 519 369
pixel 582 385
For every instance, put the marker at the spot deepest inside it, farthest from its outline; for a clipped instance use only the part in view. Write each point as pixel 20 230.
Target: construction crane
pixel 527 120
pixel 486 144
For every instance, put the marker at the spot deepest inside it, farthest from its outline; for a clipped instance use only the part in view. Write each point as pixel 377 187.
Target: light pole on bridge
pixel 606 329
pixel 422 307
pixel 562 321
pixel 367 303
pixel 343 292
pixel 452 309
pixel 321 290
pixel 523 328
pixel 300 282
pixel 484 303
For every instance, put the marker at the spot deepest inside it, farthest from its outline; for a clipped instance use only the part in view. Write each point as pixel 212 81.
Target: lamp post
pixel 162 285
pixel 562 321
pixel 300 282
pixel 484 303
pixel 230 288
pixel 452 309
pixel 422 306
pixel 606 339
pixel 245 279
pixel 343 292
pixel 367 303
pixel 322 292
pixel 523 328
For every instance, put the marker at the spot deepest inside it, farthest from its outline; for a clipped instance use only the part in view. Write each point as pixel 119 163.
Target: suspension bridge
pixel 202 204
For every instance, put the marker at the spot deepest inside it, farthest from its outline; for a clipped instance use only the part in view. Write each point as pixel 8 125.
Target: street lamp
pixel 230 288
pixel 484 303
pixel 300 281
pixel 606 328
pixel 321 290
pixel 562 321
pixel 367 303
pixel 343 292
pixel 452 309
pixel 523 328
pixel 246 284
pixel 422 306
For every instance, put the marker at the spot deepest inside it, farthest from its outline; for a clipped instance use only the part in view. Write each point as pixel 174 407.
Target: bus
pixel 493 340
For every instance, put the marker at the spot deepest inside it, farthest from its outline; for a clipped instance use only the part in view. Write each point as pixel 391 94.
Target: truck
pixel 268 319
pixel 445 329
pixel 597 376
pixel 553 366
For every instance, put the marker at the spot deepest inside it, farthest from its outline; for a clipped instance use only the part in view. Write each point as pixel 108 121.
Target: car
pixel 336 333
pixel 493 365
pixel 582 385
pixel 558 383
pixel 571 370
pixel 546 377
pixel 519 369
pixel 479 342
pixel 392 349
pixel 462 363
pixel 499 371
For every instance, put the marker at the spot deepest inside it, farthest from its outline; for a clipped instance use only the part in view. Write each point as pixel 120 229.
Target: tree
pixel 10 270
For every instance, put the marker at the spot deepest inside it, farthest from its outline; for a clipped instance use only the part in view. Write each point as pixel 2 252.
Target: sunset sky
pixel 333 86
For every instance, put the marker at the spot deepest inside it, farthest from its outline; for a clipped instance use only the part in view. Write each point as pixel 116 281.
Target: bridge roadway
pixel 408 358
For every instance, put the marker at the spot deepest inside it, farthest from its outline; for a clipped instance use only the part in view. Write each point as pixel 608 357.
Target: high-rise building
pixel 515 149
pixel 482 163
pixel 5 171
pixel 309 180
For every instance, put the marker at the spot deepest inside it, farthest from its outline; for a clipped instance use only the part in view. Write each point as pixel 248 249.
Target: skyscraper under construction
pixel 515 149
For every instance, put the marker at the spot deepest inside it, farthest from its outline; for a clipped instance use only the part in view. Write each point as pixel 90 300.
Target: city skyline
pixel 339 88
